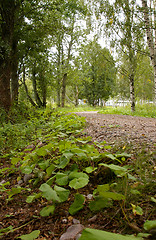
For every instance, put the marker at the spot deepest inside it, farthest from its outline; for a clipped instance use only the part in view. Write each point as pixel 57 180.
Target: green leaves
pixel 119 171
pixel 99 203
pixel 79 180
pixel 49 193
pixel 46 211
pixel 77 204
pixel 33 235
pixel 61 179
pixel 103 192
pixel 62 193
pixel 94 234
pixel 104 199
pixel 136 210
pixel 148 225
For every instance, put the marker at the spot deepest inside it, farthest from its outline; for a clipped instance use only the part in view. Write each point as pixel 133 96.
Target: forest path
pixel 139 132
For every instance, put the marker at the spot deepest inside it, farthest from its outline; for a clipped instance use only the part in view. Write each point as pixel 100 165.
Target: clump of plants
pixel 61 164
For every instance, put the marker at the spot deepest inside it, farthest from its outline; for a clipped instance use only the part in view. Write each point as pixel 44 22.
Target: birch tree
pixel 149 13
pixel 123 30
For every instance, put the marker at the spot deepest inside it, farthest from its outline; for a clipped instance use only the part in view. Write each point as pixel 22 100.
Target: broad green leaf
pixel 103 188
pixel 43 151
pixel 136 210
pixel 77 205
pixel 124 154
pixel 31 198
pixel 63 162
pixel 14 160
pixel 14 191
pixel 148 225
pixel 134 191
pixel 46 211
pixel 144 235
pixel 153 199
pixel 119 171
pixel 99 203
pixel 33 235
pixel 112 195
pixel 50 169
pixel 131 177
pixel 62 193
pixel 90 169
pixel 76 174
pixel 4 230
pixel 68 154
pixel 27 170
pixel 51 180
pixel 94 234
pixel 111 156
pixel 49 193
pixel 61 179
pixel 77 183
pixel 43 165
pixel 79 152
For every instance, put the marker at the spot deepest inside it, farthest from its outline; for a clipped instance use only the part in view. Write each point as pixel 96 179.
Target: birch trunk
pixel 151 38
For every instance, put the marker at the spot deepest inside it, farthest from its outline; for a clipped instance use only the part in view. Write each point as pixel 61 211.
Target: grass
pixel 144 110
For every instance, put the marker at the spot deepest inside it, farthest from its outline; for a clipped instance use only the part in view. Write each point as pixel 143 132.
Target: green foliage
pixel 94 234
pixel 31 236
pixel 148 225
pixel 46 211
pixel 143 110
pixel 77 205
pixel 99 73
pixel 64 162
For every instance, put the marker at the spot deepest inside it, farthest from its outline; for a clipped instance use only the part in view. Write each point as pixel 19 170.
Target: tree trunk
pixel 26 89
pixel 76 96
pixel 63 89
pixel 150 39
pixel 44 88
pixel 5 74
pixel 132 94
pixel 37 98
pixel 14 74
pixel 58 93
pixel 64 80
pixel 7 12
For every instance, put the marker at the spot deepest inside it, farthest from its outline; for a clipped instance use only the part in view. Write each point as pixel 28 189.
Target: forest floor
pixel 118 130
pixel 135 135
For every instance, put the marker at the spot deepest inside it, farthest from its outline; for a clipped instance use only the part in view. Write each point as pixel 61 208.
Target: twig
pixel 19 227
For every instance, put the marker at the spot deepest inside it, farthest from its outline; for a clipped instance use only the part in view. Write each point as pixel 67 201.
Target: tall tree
pixel 8 11
pixel 149 10
pixel 124 28
pixel 99 73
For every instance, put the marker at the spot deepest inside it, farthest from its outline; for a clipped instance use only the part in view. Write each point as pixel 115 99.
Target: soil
pixel 125 132
pixel 121 129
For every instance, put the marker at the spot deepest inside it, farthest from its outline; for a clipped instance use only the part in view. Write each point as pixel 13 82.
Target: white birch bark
pixel 151 37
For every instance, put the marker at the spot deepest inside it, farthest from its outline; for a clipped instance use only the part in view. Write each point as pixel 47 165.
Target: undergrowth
pixel 51 161
pixel 142 110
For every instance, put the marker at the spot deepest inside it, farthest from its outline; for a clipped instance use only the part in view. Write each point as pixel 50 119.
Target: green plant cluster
pixel 143 110
pixel 61 163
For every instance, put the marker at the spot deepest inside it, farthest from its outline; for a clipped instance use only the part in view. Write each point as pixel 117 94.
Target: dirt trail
pixel 137 131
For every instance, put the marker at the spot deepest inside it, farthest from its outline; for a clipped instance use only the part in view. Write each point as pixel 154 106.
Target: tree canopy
pixel 43 42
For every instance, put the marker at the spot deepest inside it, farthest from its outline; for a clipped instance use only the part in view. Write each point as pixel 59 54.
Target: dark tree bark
pixel 14 74
pixel 7 12
pixel 36 95
pixel 26 89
